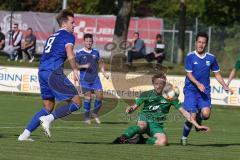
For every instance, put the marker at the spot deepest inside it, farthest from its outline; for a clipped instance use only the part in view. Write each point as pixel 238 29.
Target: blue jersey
pixel 54 53
pixel 200 68
pixel 84 57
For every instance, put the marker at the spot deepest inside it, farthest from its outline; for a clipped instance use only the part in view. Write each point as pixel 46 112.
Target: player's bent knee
pixel 77 100
pixel 161 142
pixel 99 96
pixel 88 98
pixel 205 115
pixel 49 105
pixel 161 139
pixel 142 125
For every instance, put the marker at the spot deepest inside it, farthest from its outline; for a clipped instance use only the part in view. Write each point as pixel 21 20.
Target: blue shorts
pixel 55 86
pixel 88 86
pixel 195 100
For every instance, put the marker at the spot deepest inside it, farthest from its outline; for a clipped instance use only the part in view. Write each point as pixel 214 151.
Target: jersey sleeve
pixel 237 65
pixel 188 64
pixel 215 66
pixel 69 39
pixel 176 103
pixel 140 100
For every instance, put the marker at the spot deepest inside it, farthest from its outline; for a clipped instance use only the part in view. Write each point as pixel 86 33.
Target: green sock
pixel 131 131
pixel 151 140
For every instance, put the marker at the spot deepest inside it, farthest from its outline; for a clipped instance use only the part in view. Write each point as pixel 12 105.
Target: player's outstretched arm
pixel 222 82
pixel 72 61
pixel 187 115
pixel 231 76
pixel 131 109
pixel 102 68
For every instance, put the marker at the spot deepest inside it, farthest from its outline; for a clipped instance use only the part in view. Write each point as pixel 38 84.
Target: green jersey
pixel 155 107
pixel 237 65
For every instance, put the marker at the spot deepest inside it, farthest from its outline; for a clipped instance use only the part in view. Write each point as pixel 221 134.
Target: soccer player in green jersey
pixel 153 114
pixel 234 71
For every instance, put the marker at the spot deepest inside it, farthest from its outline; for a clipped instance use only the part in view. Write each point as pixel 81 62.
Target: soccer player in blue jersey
pixel 197 100
pixel 89 79
pixel 54 84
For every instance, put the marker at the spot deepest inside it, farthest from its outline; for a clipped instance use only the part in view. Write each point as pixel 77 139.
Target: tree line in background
pixel 223 16
pixel 212 12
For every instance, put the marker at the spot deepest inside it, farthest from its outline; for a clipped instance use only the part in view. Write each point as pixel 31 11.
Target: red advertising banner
pixel 102 27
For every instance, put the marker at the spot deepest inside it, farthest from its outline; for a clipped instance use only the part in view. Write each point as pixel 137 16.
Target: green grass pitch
pixel 73 140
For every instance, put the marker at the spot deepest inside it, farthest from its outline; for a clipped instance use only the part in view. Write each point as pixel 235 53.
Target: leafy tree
pixel 224 12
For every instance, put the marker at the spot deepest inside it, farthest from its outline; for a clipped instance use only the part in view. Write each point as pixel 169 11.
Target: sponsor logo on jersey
pixel 208 63
pixel 84 57
pixel 153 108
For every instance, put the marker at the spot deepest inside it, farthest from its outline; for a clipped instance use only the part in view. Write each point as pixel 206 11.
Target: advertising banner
pixel 13 79
pixel 102 27
pixel 121 86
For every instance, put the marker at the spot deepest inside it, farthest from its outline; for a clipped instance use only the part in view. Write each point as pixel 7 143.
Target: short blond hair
pixel 159 75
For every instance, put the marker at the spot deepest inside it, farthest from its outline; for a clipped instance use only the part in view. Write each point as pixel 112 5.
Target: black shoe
pixel 137 139
pixel 121 140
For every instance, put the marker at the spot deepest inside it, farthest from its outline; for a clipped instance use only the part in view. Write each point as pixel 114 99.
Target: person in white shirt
pixel 15 45
pixel 158 53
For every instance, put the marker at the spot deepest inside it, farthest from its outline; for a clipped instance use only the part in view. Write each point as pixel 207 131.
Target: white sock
pixel 50 117
pixel 184 137
pixel 26 133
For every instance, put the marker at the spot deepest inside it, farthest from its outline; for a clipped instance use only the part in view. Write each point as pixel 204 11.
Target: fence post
pixel 209 37
pixel 190 41
pixel 173 42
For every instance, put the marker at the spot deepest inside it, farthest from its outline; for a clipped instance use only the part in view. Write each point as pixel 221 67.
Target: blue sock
pixel 97 105
pixel 65 110
pixel 187 128
pixel 34 123
pixel 87 107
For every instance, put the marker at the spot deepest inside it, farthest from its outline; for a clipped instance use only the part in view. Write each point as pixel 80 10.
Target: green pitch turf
pixel 73 140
